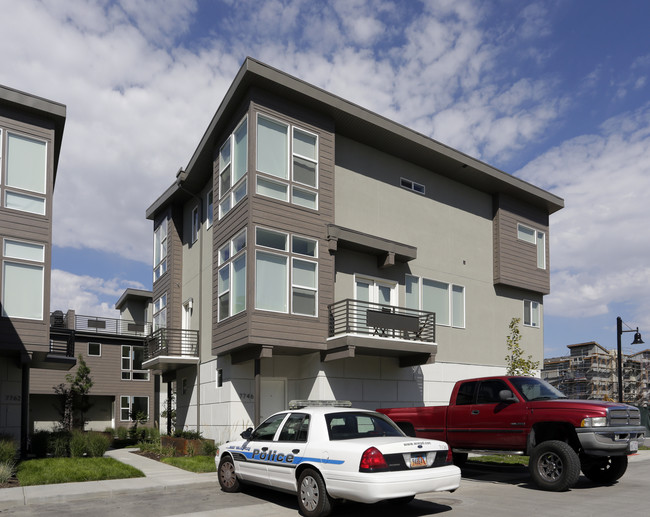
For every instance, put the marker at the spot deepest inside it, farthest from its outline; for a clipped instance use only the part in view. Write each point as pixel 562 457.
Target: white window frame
pixel 160 242
pixel 452 322
pixel 130 400
pixel 374 284
pixel 13 258
pixel 209 210
pixel 159 308
pixel 536 237
pixel 230 253
pixel 231 194
pixel 294 285
pixel 288 181
pixel 130 371
pixel 532 309
pixel 413 186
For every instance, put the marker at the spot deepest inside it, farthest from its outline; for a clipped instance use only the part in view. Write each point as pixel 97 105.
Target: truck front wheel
pixel 604 470
pixel 554 466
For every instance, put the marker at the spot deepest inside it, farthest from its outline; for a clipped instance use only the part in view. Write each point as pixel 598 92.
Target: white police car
pixel 324 454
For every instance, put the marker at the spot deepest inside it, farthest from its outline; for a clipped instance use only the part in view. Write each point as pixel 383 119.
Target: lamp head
pixel 637 338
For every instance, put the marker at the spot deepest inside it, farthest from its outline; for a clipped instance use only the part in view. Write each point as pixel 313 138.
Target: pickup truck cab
pixel 526 415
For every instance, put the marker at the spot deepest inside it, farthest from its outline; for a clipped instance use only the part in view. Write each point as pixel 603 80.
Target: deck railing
pixel 172 342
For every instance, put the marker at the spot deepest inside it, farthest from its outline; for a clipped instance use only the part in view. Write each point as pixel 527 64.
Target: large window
pixel 536 237
pixel 160 250
pixel 23 279
pixel 445 299
pixel 233 165
pixel 232 276
pixel 290 156
pixel 285 279
pixel 25 173
pixel 133 407
pixel 531 313
pixel 132 357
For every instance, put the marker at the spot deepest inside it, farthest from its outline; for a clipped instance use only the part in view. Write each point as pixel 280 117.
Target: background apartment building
pixel 31 131
pixel 312 249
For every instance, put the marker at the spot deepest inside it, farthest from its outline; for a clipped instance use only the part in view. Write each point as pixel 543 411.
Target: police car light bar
pixel 299 404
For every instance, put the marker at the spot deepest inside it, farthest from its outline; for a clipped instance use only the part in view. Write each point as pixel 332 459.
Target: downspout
pixel 179 181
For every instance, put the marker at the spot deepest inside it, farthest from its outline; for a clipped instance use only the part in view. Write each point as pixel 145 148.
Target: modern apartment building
pixel 312 249
pixel 590 371
pixel 113 349
pixel 31 131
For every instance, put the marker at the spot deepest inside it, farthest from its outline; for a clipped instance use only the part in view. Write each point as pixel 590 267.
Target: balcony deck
pixel 169 349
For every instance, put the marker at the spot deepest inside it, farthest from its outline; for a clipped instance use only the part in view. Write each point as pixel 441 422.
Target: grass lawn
pixel 49 471
pixel 192 463
pixel 502 459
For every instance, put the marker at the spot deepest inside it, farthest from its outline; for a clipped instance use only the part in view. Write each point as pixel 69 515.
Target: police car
pixel 331 453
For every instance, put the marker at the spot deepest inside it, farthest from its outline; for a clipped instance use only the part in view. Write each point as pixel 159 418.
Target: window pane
pixel 224 253
pixel 541 250
pixel 527 316
pixel 25 250
pixel 239 284
pixel 138 357
pixel 239 243
pixel 412 292
pixel 22 291
pixel 363 291
pixel 272 189
pixel 210 209
pixel 224 306
pixel 26 163
pixel 304 171
pixel 435 298
pixel 224 207
pixel 224 184
pixel 224 155
pixel 458 306
pixel 141 405
pixel 224 279
pixel 271 239
pixel 304 144
pixel 271 282
pixel 25 203
pixel 272 147
pixel 304 198
pixel 384 294
pixel 239 192
pixel 94 349
pixel 304 273
pixel 304 301
pixel 304 246
pixel 241 152
pixel 525 234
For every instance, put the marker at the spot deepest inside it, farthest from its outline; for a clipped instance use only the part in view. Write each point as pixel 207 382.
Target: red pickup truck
pixel 526 415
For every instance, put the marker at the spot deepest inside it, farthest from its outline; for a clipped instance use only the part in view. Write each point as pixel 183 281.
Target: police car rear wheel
pixel 227 477
pixel 313 499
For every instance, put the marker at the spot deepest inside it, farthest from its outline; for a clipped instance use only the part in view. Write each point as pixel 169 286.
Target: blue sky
pixel 554 92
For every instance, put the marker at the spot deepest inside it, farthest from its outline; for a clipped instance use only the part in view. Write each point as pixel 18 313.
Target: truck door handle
pixel 475 411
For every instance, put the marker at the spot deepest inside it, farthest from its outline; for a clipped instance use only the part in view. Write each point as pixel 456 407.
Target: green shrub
pixel 122 433
pixel 152 434
pixel 188 435
pixel 110 430
pixel 77 444
pixel 6 471
pixel 59 444
pixel 8 450
pixel 39 443
pixel 97 444
pixel 208 448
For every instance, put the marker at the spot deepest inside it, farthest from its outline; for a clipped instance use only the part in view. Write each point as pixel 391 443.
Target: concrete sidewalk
pixel 159 476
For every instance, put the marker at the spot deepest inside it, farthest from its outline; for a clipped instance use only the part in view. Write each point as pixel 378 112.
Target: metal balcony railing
pixel 379 320
pixel 172 342
pixel 100 325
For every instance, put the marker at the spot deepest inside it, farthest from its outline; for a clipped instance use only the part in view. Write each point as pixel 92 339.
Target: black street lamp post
pixel 619 357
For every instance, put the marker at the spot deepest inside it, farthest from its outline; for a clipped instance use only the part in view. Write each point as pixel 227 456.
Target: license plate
pixel 418 461
pixel 634 446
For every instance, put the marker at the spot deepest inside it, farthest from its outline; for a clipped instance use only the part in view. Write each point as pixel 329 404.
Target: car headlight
pixel 594 421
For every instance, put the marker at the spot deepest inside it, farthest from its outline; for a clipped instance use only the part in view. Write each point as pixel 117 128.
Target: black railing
pixel 100 325
pixel 172 342
pixel 63 348
pixel 379 320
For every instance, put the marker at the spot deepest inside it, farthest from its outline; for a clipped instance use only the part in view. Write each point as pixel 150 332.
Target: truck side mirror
pixel 507 396
pixel 246 435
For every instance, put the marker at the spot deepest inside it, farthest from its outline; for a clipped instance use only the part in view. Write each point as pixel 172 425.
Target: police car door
pixel 253 466
pixel 289 446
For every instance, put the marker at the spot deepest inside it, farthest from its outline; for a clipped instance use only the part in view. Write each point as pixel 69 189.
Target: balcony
pixel 99 325
pixel 169 349
pixel 358 327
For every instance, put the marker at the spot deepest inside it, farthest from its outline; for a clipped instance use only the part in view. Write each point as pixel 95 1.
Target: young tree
pixel 74 401
pixel 515 361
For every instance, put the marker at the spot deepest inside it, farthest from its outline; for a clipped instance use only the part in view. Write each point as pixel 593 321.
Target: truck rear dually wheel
pixel 554 466
pixel 604 469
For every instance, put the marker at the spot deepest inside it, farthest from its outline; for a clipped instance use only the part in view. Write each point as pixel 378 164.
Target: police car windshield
pixel 350 425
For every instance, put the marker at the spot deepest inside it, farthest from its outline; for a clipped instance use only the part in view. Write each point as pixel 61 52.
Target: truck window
pixel 465 393
pixel 488 391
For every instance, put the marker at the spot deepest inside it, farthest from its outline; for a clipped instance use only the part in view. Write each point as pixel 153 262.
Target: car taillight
pixel 450 457
pixel 372 461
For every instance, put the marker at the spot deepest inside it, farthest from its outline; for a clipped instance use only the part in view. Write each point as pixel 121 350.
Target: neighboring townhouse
pixel 31 131
pixel 590 371
pixel 312 249
pixel 113 349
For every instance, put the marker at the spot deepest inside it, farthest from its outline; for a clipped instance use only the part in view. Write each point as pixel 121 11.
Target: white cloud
pixel 87 295
pixel 598 246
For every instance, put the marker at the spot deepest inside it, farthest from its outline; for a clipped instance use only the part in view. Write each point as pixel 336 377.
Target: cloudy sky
pixel 555 92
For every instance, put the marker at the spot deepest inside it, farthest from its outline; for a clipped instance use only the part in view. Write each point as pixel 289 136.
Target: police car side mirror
pixel 246 435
